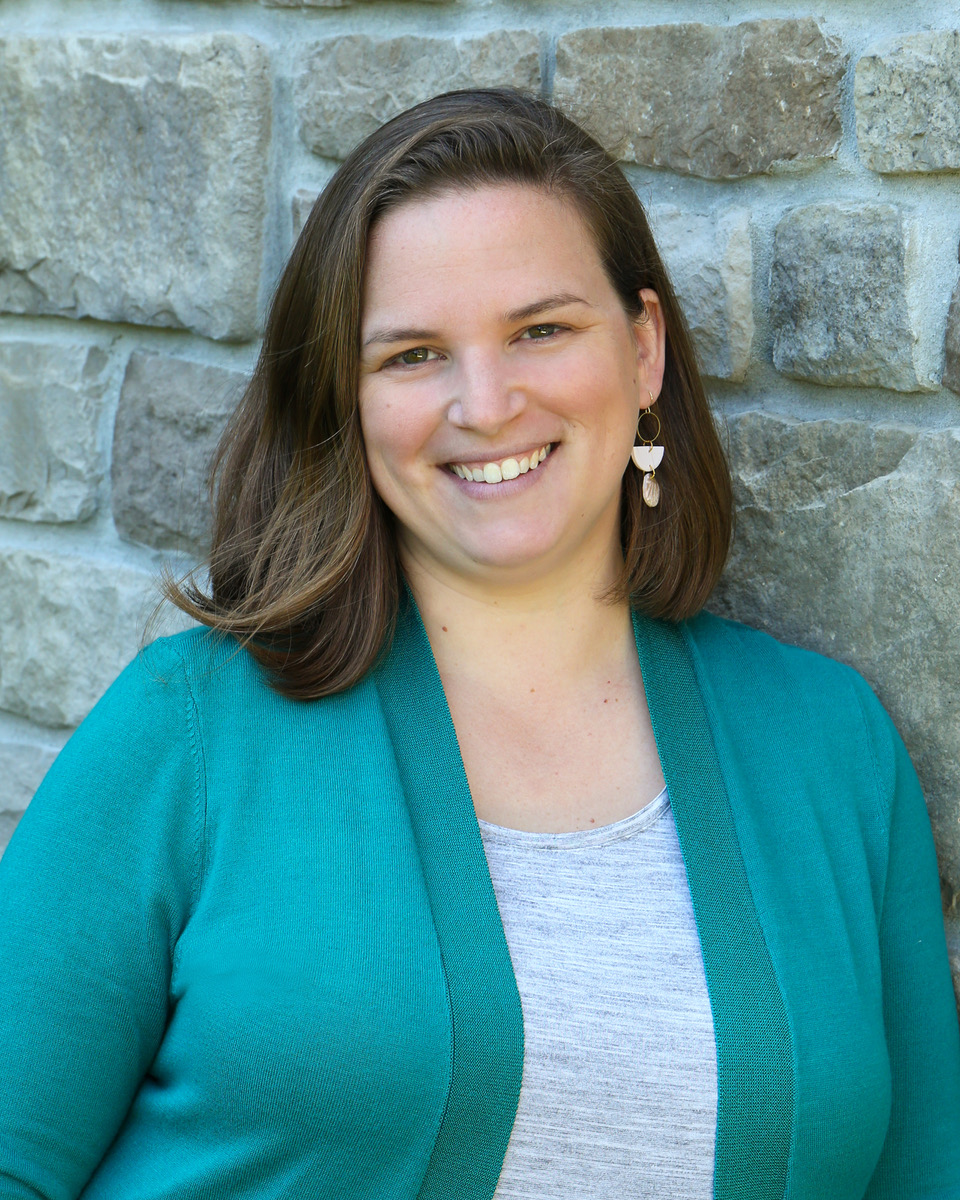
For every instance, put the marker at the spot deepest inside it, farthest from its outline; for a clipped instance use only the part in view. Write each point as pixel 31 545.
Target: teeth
pixel 510 468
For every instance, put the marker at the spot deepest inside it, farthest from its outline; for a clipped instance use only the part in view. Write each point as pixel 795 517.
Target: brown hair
pixel 303 566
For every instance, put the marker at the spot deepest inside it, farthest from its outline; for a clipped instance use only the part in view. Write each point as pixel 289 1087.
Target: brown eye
pixel 410 358
pixel 539 332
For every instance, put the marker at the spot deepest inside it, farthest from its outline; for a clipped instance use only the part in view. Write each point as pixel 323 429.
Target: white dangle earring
pixel 647 457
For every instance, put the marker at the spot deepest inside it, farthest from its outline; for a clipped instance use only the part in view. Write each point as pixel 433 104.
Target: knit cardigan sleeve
pixel 95 887
pixel 920 1159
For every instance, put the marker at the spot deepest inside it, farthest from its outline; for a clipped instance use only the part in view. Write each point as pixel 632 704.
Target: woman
pixel 469 860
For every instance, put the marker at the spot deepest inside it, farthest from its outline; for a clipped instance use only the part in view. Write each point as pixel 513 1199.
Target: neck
pixel 546 632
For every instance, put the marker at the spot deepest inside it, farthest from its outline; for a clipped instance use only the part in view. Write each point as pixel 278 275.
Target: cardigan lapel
pixel 754 1050
pixel 487 1023
pixel 755 1071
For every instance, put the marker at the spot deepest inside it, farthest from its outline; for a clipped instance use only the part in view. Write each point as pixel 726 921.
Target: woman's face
pixel 492 339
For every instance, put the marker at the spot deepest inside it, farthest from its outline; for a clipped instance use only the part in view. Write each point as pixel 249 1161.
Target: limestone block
pixel 22 766
pixel 710 263
pixel 9 820
pixel 170 417
pixel 132 179
pixel 719 101
pixel 907 99
pixel 348 86
pixel 70 624
pixel 303 201
pixel 848 542
pixel 306 197
pixel 321 3
pixel 841 298
pixel 951 356
pixel 51 399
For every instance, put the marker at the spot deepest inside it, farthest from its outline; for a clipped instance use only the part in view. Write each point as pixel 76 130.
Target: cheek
pixel 380 425
pixel 602 395
pixel 393 439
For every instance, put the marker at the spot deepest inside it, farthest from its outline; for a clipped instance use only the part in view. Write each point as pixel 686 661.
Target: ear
pixel 651 335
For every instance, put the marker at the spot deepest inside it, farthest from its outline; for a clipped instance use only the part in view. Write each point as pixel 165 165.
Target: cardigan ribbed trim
pixel 485 1013
pixel 755 1085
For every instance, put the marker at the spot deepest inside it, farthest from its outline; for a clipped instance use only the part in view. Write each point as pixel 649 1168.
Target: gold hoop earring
pixel 647 457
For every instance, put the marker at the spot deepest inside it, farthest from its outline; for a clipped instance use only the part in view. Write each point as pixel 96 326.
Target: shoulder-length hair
pixel 303 567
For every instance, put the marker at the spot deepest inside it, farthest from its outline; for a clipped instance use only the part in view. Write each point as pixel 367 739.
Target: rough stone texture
pixel 953 949
pixel 51 398
pixel 951 348
pixel 70 624
pixel 132 179
pixel 848 542
pixel 840 306
pixel 303 201
pixel 322 3
pixel 9 820
pixel 348 86
pixel 907 99
pixel 22 766
pixel 710 262
pixel 710 100
pixel 170 416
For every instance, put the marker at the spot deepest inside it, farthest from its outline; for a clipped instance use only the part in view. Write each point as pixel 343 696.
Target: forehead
pixel 495 244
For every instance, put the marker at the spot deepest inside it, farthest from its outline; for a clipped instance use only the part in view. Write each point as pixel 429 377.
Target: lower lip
pixel 504 489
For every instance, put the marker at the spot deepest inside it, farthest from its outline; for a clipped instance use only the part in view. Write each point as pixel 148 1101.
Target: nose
pixel 486 395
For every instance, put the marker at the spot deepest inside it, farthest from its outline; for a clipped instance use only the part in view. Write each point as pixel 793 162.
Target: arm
pixel 95 887
pixel 921 1154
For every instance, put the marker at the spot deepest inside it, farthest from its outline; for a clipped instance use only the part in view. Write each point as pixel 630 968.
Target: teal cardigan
pixel 249 946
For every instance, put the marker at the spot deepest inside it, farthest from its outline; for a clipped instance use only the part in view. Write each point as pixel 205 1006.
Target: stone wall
pixel 801 173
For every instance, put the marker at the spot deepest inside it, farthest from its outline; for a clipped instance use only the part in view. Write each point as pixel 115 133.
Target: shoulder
pixel 146 708
pixel 199 666
pixel 134 762
pixel 153 705
pixel 230 698
pixel 726 644
pixel 194 657
pixel 802 696
pixel 760 661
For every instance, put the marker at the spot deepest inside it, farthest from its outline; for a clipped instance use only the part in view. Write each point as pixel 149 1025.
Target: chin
pixel 511 559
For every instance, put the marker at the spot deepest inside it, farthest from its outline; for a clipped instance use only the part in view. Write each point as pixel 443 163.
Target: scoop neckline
pixel 575 839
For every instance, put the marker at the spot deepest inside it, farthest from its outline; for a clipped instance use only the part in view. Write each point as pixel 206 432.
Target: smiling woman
pixel 384 265
pixel 468 856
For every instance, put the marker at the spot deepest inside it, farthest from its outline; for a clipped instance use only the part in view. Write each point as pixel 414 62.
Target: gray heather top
pixel 619 1091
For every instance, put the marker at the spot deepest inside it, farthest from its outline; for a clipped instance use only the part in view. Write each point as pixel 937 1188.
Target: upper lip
pixel 497 456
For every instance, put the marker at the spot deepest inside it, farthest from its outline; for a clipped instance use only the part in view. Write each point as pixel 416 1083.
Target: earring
pixel 647 457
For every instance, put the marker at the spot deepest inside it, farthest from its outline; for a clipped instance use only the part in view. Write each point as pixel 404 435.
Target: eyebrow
pixel 407 334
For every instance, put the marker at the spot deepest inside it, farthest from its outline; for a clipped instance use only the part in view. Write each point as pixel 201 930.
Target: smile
pixel 508 468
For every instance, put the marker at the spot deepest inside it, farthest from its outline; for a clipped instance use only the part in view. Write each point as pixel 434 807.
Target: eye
pixel 411 358
pixel 541 333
